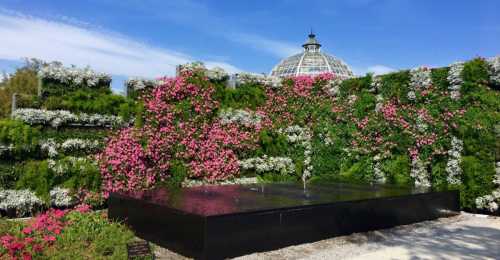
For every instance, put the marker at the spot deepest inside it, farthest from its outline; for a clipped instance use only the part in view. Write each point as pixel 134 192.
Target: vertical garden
pixel 72 140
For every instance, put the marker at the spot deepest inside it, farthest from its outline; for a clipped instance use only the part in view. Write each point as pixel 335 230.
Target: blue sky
pixel 148 38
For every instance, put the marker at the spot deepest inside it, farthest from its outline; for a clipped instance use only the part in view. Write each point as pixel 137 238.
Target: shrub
pixel 88 101
pixel 18 134
pixel 70 172
pixel 249 95
pixel 476 71
pixel 59 234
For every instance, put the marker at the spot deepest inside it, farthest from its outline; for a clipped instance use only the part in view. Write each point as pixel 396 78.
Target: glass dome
pixel 311 62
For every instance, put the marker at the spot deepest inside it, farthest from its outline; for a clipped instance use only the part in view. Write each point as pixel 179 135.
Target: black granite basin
pixel 214 222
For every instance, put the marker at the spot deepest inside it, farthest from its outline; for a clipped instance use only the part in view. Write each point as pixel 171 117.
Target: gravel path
pixel 465 236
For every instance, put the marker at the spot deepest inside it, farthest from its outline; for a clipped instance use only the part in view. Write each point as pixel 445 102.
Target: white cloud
pixel 375 69
pixel 380 69
pixel 25 36
pixel 277 48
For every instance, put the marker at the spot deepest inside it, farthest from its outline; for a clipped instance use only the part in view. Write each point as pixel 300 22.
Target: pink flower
pixel 49 238
pixel 27 256
pixel 83 208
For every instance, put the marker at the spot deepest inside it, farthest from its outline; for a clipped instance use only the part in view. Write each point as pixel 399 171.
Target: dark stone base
pixel 227 221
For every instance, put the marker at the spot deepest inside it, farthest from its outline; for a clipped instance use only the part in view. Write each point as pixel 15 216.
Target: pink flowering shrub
pixel 35 237
pixel 181 124
pixel 64 234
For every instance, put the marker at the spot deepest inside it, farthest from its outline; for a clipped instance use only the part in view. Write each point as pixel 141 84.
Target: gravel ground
pixel 465 236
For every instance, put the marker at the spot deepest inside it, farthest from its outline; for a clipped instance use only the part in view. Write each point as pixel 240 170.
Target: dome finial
pixel 311 44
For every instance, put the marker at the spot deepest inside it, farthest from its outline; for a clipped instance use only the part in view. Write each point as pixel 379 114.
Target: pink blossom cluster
pixel 302 85
pixel 180 124
pixel 124 164
pixel 211 151
pixel 39 234
pixel 363 123
pixel 389 111
pixel 426 140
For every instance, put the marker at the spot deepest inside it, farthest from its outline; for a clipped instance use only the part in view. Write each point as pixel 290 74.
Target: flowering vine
pixel 494 69
pixel 453 168
pixel 455 79
pixel 490 201
pixel 420 81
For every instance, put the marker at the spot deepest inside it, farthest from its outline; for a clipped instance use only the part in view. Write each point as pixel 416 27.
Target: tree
pixel 24 82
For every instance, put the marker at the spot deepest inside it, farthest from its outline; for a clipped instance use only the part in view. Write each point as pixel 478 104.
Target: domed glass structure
pixel 311 62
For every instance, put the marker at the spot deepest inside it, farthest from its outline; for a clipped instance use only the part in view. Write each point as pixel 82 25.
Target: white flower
pixel 50 147
pixel 420 80
pixel 494 69
pixel 269 81
pixel 376 84
pixel 239 116
pixel 140 83
pixel 419 173
pixel 69 163
pixel 378 174
pixel 60 197
pixel 216 74
pixel 72 75
pixel 455 79
pixel 379 102
pixel 489 202
pixel 411 95
pixel 22 202
pixel 453 168
pixel 421 125
pixel 333 87
pixel 302 137
pixel 56 118
pixel 283 165
pixel 76 144
pixel 198 182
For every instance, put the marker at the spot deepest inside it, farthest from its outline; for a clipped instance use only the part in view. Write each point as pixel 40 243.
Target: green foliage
pixel 91 101
pixel 397 170
pixel 364 105
pixel 476 71
pixel 61 134
pixel 139 114
pixel 18 134
pixel 52 88
pixel 40 178
pixel 91 236
pixel 83 175
pixel 249 95
pixel 37 177
pixel 23 139
pixel 8 175
pixel 178 173
pixel 359 171
pixel 440 78
pixel 395 85
pixel 439 175
pixel 272 144
pixel 355 85
pixel 477 180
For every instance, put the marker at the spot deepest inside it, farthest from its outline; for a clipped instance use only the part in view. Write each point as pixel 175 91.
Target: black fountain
pixel 216 222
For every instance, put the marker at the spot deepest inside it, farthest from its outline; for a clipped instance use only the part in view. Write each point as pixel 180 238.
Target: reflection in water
pixel 227 199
